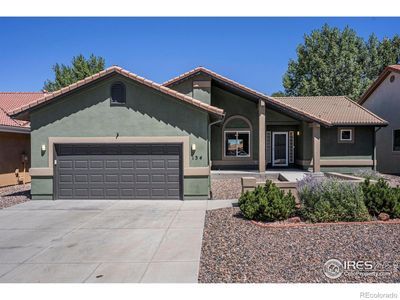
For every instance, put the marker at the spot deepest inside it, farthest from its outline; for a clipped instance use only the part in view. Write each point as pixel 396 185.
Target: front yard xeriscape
pixel 322 199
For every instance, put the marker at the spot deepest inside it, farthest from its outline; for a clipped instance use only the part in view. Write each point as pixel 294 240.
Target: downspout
pixel 209 150
pixel 374 158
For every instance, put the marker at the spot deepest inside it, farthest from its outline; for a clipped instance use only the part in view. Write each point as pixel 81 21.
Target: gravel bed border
pixel 285 225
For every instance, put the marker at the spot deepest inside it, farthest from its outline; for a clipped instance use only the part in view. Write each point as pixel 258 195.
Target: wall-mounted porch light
pixel 193 147
pixel 43 148
pixel 298 133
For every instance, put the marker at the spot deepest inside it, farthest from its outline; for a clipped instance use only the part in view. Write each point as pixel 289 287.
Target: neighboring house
pixel 116 135
pixel 383 98
pixel 14 139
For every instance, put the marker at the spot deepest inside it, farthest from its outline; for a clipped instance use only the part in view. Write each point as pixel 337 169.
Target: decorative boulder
pixel 383 217
pixel 294 220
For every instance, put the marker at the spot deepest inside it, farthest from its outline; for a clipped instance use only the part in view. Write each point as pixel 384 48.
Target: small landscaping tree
pixel 267 203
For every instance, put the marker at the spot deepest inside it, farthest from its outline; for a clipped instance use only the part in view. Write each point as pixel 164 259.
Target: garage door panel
pixel 143 178
pixel 173 164
pixel 158 178
pixel 142 164
pixel 96 164
pixel 173 193
pixel 129 171
pixel 127 164
pixel 158 164
pixel 81 192
pixel 66 192
pixel 96 178
pixel 67 178
pixel 112 164
pixel 81 178
pixel 127 178
pixel 67 164
pixel 97 193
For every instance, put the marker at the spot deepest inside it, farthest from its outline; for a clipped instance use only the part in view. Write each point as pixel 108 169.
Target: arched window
pixel 237 132
pixel 118 95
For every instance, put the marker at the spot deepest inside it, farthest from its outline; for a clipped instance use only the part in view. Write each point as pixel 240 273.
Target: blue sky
pixel 252 51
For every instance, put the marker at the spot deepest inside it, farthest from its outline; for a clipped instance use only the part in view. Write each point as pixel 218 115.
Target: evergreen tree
pixel 79 69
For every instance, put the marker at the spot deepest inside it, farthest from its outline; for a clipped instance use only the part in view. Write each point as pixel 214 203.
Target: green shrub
pixel 331 200
pixel 267 203
pixel 381 198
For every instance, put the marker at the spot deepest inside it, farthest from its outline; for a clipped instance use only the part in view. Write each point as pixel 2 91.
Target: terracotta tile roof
pixel 12 100
pixel 335 110
pixel 239 86
pixel 314 108
pixel 115 69
pixel 378 81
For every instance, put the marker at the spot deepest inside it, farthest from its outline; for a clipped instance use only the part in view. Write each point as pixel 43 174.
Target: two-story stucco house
pixel 383 98
pixel 116 135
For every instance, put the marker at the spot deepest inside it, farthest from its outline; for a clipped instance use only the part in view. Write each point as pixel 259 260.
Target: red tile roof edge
pixel 119 70
pixel 245 88
pixel 378 81
pixel 274 100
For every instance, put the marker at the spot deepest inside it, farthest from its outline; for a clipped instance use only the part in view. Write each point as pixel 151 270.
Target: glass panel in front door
pixel 280 149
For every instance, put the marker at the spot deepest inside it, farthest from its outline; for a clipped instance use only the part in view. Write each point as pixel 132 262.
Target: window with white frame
pixel 396 140
pixel 346 135
pixel 237 143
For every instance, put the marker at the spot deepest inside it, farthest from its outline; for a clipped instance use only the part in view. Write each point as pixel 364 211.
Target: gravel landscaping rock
pixel 393 180
pixel 236 250
pixel 12 195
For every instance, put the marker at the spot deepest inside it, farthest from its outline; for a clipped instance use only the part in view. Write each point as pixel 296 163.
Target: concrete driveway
pixel 103 241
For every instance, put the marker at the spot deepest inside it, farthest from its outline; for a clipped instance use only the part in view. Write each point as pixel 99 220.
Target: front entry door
pixel 279 149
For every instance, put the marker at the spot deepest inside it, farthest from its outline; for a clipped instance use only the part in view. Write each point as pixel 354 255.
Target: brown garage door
pixel 118 171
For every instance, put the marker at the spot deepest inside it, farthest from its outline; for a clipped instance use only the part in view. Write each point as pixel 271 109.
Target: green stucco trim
pixel 42 197
pixel 196 186
pixel 42 186
pixel 344 170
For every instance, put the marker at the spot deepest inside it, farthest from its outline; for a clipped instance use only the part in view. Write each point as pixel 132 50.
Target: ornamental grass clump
pixel 381 198
pixel 331 200
pixel 267 203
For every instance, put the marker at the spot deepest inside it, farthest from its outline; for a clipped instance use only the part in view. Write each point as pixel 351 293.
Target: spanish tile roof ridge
pixel 13 92
pixel 117 69
pixel 241 86
pixel 374 85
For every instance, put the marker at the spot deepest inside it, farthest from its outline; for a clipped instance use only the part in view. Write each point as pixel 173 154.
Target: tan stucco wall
pixel 12 145
pixel 385 102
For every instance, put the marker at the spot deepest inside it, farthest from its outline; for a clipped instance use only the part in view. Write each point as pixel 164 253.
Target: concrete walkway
pixel 103 241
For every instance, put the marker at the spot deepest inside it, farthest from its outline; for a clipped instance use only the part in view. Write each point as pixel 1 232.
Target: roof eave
pixel 23 112
pixel 376 83
pixel 15 129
